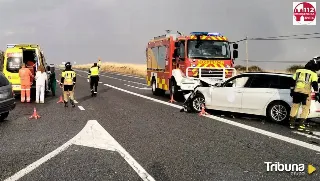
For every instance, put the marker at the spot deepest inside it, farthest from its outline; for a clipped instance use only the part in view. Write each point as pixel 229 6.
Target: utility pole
pixel 247 54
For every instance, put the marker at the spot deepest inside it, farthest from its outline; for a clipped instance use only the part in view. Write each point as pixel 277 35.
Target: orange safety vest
pixel 25 76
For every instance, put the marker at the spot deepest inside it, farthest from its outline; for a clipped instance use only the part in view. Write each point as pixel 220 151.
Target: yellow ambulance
pixel 15 55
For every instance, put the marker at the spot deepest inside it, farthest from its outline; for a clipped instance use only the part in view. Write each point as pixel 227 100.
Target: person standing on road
pixel 26 79
pixel 52 83
pixel 68 81
pixel 99 63
pixel 304 80
pixel 41 80
pixel 93 75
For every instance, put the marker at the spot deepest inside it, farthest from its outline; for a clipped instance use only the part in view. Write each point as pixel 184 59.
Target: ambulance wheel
pixel 155 90
pixel 196 102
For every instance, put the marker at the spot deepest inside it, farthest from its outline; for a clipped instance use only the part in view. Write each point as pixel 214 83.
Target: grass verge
pixel 132 69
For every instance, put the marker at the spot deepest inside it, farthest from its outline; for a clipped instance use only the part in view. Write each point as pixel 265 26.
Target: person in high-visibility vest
pixel 68 81
pixel 99 63
pixel 93 75
pixel 304 80
pixel 26 79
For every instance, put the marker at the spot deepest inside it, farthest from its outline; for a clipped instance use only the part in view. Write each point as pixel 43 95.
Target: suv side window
pixel 263 81
pixel 3 80
pixel 283 83
pixel 240 81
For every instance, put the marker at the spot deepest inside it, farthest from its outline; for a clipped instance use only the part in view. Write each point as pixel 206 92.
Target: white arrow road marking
pixel 92 135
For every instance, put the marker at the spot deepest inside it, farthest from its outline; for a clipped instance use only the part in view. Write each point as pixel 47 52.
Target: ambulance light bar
pixel 11 45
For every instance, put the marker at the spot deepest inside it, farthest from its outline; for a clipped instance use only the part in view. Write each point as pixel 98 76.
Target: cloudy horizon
pixel 118 31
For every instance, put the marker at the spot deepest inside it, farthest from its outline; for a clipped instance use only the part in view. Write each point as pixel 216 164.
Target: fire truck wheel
pixel 197 102
pixel 156 91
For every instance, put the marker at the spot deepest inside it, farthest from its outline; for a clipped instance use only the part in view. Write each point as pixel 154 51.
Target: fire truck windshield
pixel 208 49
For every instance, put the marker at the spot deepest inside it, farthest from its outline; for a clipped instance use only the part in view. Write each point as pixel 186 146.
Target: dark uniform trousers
pixel 94 81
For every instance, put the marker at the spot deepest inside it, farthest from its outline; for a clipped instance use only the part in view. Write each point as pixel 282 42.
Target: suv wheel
pixel 197 102
pixel 3 116
pixel 278 112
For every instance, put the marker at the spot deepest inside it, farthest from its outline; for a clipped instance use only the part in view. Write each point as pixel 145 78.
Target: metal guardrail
pixel 210 72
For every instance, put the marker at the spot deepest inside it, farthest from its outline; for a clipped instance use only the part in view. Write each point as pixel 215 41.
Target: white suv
pixel 266 94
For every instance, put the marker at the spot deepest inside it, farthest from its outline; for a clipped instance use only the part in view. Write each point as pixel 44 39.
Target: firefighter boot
pixel 292 122
pixel 65 104
pixel 302 126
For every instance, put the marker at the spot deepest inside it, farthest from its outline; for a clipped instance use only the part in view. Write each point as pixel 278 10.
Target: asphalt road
pixel 126 133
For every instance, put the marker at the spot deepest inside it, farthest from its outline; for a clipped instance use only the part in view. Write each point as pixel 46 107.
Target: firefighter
pixel 99 63
pixel 52 80
pixel 68 81
pixel 26 79
pixel 93 75
pixel 304 79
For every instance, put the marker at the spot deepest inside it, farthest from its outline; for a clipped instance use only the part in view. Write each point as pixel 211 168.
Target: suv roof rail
pixel 267 73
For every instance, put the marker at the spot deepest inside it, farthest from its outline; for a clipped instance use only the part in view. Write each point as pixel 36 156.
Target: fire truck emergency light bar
pixel 199 33
pixel 206 33
pixel 214 34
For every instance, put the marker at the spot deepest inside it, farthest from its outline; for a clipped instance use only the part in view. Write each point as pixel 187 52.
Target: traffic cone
pixel 171 99
pixel 203 111
pixel 60 100
pixel 35 115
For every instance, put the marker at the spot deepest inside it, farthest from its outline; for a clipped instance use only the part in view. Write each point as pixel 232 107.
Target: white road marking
pixel 316 133
pixel 146 88
pixel 240 125
pixel 92 135
pixel 125 80
pixel 118 79
pixel 126 75
pixel 137 87
pixel 307 135
pixel 100 82
pixel 81 108
pixel 132 86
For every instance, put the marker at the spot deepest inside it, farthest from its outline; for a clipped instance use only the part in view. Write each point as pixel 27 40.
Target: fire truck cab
pixel 176 62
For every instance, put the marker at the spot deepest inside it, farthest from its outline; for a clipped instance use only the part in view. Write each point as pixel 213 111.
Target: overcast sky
pixel 118 30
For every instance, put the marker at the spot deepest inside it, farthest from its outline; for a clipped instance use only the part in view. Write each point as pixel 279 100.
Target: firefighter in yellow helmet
pixel 68 81
pixel 99 63
pixel 304 80
pixel 93 75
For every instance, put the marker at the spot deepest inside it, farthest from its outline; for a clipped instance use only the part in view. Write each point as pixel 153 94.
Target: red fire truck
pixel 171 57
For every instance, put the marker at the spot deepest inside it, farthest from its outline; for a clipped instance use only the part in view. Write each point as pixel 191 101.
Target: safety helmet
pixel 68 65
pixel 313 64
pixel 316 58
